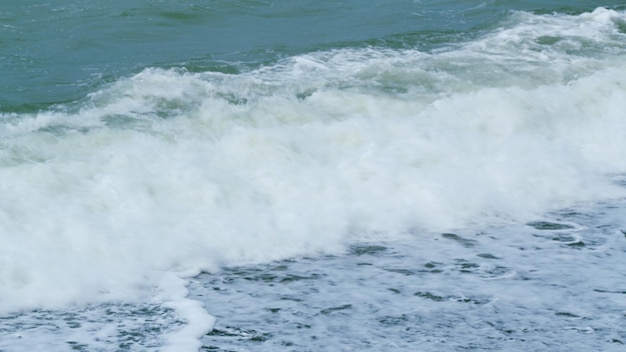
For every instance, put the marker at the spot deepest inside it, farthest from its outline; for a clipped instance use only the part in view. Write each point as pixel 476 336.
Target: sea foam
pixel 169 172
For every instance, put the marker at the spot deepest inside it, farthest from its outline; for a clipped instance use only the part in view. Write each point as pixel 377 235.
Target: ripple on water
pixel 511 288
pixel 106 327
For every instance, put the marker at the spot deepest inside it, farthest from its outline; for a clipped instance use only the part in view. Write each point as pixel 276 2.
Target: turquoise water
pixel 59 51
pixel 305 176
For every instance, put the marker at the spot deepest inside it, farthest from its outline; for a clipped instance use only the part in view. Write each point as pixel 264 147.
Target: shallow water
pixel 551 285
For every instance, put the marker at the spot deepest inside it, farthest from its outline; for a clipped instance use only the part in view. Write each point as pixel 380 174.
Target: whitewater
pixel 477 188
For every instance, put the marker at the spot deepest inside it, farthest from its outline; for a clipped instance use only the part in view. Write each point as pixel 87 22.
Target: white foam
pixel 173 172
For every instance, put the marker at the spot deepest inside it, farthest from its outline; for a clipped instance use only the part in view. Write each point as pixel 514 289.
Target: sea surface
pixel 242 175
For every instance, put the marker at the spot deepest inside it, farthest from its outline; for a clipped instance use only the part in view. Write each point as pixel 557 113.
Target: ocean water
pixel 312 175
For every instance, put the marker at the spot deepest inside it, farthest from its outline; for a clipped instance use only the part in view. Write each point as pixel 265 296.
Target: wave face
pixel 168 172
